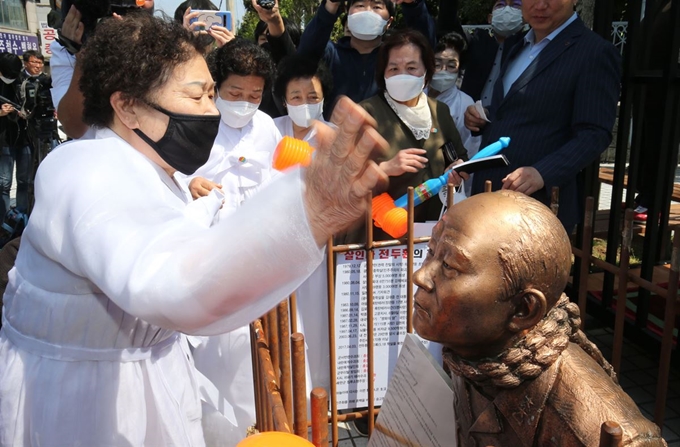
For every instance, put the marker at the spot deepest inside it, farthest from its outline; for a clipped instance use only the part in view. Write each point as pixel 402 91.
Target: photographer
pixel 37 103
pixel 34 63
pixel 13 140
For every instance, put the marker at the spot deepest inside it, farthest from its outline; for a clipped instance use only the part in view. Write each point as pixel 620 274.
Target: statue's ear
pixel 530 307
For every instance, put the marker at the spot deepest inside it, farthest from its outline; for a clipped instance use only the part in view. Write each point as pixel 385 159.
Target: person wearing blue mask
pixel 352 60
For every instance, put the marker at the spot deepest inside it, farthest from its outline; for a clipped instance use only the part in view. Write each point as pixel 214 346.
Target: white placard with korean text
pixel 47 36
pixel 418 407
pixel 17 43
pixel 389 320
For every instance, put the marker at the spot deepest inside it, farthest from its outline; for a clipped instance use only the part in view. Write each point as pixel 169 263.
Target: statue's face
pixel 460 301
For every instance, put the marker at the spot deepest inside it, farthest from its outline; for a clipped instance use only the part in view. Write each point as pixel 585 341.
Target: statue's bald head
pixel 532 246
pixel 496 264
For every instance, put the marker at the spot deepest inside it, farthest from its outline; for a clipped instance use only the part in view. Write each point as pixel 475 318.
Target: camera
pixel 93 10
pixel 266 4
pixel 12 226
pixel 41 126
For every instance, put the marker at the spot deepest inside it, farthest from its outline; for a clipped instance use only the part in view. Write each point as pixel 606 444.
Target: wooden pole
pixel 300 386
pixel 319 403
pixel 369 313
pixel 611 434
pixel 555 200
pixel 409 262
pixel 620 317
pixel 330 274
pixel 668 326
pixel 284 344
pixel 587 247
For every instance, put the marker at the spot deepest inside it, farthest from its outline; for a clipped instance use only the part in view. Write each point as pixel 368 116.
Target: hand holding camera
pixel 267 4
pixel 335 6
pixel 217 24
pixel 268 10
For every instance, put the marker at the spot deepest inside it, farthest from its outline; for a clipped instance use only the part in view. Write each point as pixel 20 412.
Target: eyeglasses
pixel 446 64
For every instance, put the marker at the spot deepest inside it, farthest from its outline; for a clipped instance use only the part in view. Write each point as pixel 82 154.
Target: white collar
pixel 418 118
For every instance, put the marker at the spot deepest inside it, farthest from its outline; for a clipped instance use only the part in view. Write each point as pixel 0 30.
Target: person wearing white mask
pixel 302 86
pixel 487 53
pixel 239 166
pixel 240 160
pixel 423 137
pixel 352 59
pixel 448 54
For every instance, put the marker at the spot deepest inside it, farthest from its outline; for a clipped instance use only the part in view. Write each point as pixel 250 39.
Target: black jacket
pixel 12 128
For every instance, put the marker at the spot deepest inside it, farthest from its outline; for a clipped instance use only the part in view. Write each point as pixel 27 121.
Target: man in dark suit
pixel 556 99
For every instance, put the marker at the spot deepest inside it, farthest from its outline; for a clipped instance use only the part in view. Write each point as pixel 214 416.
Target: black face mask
pixel 187 141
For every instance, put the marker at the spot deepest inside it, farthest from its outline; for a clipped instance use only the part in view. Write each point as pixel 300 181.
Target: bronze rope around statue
pixel 536 352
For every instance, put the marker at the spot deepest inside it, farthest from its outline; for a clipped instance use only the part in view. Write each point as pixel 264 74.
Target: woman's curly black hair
pixel 134 56
pixel 243 58
pixel 296 67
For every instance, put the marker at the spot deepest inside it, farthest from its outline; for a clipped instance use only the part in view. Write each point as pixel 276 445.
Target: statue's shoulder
pixel 584 396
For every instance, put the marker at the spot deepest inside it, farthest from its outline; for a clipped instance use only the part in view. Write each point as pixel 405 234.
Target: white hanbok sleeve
pixel 132 240
pixel 62 65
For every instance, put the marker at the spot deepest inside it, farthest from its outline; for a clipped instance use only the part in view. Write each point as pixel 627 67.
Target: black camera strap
pixel 70 46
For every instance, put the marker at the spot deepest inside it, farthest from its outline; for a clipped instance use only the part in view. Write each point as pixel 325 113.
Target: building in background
pixel 19 27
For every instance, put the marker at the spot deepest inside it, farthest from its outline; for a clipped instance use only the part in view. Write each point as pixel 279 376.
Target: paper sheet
pixel 418 407
pixel 480 109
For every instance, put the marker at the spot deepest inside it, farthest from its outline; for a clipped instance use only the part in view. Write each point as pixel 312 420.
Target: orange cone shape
pixel 393 220
pixel 292 152
pixel 274 439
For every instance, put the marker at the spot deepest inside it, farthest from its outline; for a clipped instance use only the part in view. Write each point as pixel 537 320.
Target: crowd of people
pixel 163 229
pixel 27 132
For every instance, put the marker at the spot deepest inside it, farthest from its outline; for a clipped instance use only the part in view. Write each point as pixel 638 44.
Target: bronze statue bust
pixel 525 375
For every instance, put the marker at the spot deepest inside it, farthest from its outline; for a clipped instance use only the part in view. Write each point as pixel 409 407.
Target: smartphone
pixel 211 18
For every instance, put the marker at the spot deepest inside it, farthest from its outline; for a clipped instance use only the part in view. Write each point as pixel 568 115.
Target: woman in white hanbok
pixel 110 268
pixel 239 166
pixel 301 85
